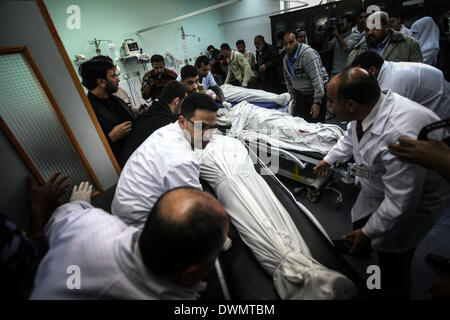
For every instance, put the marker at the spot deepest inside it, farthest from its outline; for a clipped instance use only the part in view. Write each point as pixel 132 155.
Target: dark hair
pixel 200 60
pixel 396 14
pixel 349 18
pixel 156 58
pixel 368 59
pixel 173 89
pixel 240 42
pixel 168 246
pixel 225 46
pixel 357 85
pixel 260 37
pixel 289 32
pixel 188 71
pixel 93 69
pixel 101 57
pixel 210 47
pixel 197 101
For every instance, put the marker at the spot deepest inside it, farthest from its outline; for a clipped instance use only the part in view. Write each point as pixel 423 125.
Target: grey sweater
pixel 310 77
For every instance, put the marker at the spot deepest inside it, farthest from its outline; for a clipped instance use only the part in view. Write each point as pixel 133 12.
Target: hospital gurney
pixel 296 144
pixel 260 98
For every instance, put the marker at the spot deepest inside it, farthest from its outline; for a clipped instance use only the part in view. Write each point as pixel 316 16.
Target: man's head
pixel 99 74
pixel 290 41
pixel 363 14
pixel 370 61
pixel 211 50
pixel 346 23
pixel 183 235
pixel 301 35
pixel 198 118
pixel 190 78
pixel 259 42
pixel 173 95
pixel 225 50
pixel 352 94
pixel 377 28
pixel 203 66
pixel 158 63
pixel 240 45
pixel 395 20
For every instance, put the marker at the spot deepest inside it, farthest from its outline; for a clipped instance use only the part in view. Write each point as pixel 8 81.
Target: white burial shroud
pixel 265 226
pixel 237 94
pixel 250 122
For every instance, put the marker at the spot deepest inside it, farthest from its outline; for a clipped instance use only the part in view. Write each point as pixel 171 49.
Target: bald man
pixel 94 255
pixel 399 202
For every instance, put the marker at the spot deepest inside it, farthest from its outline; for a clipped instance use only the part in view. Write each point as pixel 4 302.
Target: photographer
pixel 340 38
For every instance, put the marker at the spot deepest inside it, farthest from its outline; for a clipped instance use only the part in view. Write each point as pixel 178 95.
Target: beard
pixel 111 88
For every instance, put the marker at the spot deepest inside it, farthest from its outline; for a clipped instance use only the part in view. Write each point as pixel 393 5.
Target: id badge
pixel 362 172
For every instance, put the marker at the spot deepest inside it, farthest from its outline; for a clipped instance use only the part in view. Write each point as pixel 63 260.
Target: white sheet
pixel 279 129
pixel 265 226
pixel 236 94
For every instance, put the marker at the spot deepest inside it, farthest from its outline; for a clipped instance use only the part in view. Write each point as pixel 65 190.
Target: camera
pixel 332 25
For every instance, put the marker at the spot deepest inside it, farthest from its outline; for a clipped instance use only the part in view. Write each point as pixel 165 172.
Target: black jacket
pixel 269 56
pixel 158 116
pixel 111 112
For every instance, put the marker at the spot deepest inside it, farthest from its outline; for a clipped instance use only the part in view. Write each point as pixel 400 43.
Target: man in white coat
pixel 398 202
pixel 418 82
pixel 94 255
pixel 165 160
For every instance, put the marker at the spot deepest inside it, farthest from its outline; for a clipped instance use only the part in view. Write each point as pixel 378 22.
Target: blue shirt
pixel 290 64
pixel 207 81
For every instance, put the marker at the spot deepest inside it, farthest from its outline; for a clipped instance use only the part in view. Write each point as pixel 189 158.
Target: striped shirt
pixel 309 77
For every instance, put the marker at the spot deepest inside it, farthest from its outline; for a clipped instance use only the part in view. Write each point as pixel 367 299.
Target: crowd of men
pixel 164 233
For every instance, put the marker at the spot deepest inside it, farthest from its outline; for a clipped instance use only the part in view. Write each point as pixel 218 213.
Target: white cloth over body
pixel 105 251
pixel 427 33
pixel 281 129
pixel 165 160
pixel 265 226
pixel 237 94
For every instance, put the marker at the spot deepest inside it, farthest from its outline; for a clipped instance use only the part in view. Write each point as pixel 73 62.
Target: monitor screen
pixel 133 46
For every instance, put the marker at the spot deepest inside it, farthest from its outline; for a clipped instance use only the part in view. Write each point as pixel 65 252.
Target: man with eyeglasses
pixel 165 160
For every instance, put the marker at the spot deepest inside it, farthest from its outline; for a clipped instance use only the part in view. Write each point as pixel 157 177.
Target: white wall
pixel 249 28
pixel 22 24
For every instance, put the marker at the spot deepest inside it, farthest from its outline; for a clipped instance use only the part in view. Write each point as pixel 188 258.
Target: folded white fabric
pixel 265 226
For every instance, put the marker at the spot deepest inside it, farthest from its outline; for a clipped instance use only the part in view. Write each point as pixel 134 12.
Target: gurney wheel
pixel 313 195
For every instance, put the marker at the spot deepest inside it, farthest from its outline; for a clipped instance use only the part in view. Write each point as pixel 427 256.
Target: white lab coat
pixel 419 82
pixel 265 226
pixel 403 198
pixel 106 252
pixel 165 160
pixel 426 32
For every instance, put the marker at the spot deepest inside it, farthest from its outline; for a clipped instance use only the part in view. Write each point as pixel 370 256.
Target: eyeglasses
pixel 205 127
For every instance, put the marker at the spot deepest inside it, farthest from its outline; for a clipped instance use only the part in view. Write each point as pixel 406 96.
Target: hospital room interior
pixel 225 150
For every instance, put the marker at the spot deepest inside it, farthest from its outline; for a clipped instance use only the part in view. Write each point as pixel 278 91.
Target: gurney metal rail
pixel 298 167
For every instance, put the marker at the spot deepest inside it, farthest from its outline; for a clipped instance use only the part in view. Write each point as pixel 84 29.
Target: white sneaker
pixel 227 244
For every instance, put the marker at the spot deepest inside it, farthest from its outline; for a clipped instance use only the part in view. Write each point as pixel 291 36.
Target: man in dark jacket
pixel 267 60
pixel 153 81
pixel 115 118
pixel 162 112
